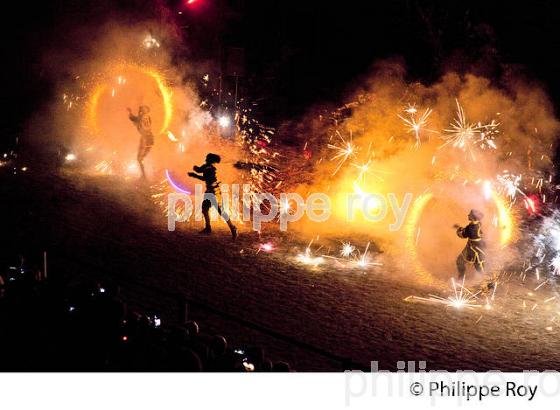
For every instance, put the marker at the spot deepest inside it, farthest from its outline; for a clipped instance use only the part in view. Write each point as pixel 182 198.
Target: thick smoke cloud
pixel 455 177
pixel 106 68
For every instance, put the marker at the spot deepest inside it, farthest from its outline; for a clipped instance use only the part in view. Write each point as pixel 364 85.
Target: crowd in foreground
pixel 47 327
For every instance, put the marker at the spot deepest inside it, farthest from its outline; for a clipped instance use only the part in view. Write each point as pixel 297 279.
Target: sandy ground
pixel 318 319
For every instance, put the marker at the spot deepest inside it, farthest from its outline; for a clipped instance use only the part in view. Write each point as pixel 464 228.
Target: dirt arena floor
pixel 322 319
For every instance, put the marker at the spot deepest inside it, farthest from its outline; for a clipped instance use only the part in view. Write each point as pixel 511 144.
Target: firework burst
pixel 509 184
pixel 546 247
pixel 365 168
pixel 465 135
pixel 416 124
pixel 344 151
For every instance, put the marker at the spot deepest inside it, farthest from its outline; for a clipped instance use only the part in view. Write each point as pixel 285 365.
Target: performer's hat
pixel 476 215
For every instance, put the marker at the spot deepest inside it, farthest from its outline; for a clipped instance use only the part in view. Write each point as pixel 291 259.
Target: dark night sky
pixel 302 52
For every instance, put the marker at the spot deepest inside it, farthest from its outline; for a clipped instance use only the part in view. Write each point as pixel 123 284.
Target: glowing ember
pixel 150 42
pixel 224 121
pixel 347 249
pixel 70 157
pixel 531 204
pixel 307 257
pixel 266 247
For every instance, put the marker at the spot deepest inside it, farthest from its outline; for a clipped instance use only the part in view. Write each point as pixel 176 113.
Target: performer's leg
pixel 230 224
pixel 479 266
pixel 207 226
pixel 205 211
pixel 461 266
pixel 479 257
pixel 140 156
pixel 147 150
pixel 141 165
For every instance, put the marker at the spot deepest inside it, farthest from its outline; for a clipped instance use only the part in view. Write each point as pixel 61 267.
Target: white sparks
pixel 343 151
pixel 414 124
pixel 347 249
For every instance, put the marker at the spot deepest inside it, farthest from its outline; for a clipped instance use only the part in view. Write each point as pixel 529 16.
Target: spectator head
pixel 266 366
pixel 192 328
pixel 190 361
pixel 178 336
pixel 219 345
pixel 281 367
pixel 255 355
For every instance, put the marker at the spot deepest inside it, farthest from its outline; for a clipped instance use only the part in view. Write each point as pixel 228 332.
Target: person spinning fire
pixel 208 171
pixel 473 253
pixel 143 123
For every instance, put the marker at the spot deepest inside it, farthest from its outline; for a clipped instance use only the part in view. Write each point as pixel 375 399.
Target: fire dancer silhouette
pixel 473 253
pixel 208 171
pixel 143 123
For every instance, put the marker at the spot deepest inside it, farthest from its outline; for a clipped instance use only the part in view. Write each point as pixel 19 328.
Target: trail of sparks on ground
pixel 307 257
pixel 462 298
pixel 351 257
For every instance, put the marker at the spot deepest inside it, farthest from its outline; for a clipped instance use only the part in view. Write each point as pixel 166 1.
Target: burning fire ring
pixel 505 222
pixel 166 95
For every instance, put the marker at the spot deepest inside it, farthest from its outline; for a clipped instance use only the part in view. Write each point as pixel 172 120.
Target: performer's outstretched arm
pixel 193 175
pixel 131 116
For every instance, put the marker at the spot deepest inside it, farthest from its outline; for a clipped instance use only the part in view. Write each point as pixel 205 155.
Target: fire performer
pixel 473 253
pixel 208 171
pixel 143 123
